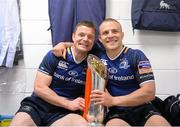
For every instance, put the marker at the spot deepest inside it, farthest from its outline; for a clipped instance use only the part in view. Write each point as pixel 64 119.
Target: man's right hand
pixel 60 49
pixel 102 98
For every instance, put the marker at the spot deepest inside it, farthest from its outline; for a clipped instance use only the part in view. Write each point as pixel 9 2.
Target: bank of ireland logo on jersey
pixel 124 64
pixel 112 70
pixel 63 65
pixel 73 73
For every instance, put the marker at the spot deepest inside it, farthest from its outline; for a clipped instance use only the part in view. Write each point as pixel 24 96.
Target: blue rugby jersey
pixel 127 72
pixel 68 75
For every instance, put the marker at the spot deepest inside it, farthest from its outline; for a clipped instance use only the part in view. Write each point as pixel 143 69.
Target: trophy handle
pixel 88 89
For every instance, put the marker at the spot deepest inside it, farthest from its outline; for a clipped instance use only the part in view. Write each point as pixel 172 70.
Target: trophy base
pixel 95 124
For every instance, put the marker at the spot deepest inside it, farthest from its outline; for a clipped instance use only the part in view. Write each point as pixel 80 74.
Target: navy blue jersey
pixel 68 76
pixel 127 72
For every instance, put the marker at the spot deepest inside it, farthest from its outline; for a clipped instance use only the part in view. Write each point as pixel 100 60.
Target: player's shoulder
pixel 50 54
pixel 135 52
pixel 131 50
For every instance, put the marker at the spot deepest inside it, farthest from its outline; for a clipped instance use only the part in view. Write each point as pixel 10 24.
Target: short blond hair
pixel 111 20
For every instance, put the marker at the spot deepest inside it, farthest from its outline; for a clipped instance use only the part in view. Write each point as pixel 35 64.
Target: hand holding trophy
pixel 95 80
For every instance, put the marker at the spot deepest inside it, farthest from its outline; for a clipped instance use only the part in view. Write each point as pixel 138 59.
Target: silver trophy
pixel 96 113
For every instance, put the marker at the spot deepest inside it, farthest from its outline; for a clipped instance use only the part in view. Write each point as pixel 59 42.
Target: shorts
pixel 136 116
pixel 43 113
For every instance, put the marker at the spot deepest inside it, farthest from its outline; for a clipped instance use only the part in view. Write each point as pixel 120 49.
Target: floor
pixel 12 88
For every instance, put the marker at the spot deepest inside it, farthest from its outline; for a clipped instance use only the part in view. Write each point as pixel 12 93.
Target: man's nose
pixel 85 38
pixel 110 34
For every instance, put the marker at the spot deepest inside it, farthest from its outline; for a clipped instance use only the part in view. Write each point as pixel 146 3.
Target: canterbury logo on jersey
pixel 104 61
pixel 63 65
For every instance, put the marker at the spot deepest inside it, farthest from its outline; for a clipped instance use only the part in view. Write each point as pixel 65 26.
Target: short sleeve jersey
pixel 68 76
pixel 127 72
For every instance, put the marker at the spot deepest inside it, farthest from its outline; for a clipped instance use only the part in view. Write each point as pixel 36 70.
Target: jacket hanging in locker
pixel 9 31
pixel 158 15
pixel 65 14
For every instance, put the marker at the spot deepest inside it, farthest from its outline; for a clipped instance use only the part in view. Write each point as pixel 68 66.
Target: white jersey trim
pixel 117 54
pixel 77 62
pixel 146 82
pixel 44 72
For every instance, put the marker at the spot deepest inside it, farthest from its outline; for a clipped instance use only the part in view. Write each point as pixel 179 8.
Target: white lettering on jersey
pixel 72 79
pixel 121 78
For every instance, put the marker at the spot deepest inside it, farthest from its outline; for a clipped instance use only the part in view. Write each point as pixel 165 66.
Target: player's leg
pixel 71 120
pixel 22 119
pixel 117 122
pixel 157 120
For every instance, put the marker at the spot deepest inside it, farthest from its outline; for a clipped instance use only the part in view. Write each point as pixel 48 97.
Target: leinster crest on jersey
pixel 124 64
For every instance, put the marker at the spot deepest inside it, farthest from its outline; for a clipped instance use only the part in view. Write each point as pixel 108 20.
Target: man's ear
pixel 99 38
pixel 122 35
pixel 73 38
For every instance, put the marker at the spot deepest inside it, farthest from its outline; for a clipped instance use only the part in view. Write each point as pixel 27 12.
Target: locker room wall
pixel 162 48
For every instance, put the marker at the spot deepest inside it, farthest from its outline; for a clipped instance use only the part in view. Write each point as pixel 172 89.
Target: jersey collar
pixel 76 61
pixel 123 50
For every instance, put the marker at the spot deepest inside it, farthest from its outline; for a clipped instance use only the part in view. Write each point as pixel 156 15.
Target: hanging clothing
pixel 9 31
pixel 65 14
